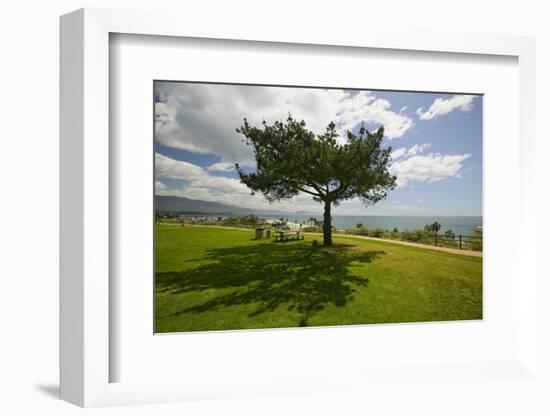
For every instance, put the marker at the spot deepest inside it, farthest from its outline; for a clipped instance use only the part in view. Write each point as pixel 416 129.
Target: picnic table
pixel 288 235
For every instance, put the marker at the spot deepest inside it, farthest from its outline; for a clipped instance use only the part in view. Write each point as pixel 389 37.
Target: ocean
pixel 459 225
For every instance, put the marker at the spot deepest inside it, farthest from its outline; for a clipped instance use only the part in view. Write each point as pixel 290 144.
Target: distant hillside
pixel 178 205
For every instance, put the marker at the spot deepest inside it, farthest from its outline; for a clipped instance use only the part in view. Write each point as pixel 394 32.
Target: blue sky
pixel 436 141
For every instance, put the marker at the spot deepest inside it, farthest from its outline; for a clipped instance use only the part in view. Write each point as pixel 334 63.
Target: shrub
pixel 411 236
pixel 377 232
pixel 477 243
pixel 356 231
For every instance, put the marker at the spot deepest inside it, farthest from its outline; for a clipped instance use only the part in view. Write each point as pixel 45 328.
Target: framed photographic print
pixel 288 221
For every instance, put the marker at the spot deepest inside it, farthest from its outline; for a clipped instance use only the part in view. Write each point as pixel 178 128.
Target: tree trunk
pixel 327 226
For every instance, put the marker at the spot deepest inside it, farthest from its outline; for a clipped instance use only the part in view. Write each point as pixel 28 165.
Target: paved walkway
pixel 405 243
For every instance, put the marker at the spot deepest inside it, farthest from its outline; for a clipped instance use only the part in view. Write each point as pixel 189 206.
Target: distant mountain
pixel 169 204
pixel 179 205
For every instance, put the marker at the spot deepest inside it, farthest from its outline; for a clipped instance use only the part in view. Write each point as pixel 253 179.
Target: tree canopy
pixel 433 228
pixel 291 159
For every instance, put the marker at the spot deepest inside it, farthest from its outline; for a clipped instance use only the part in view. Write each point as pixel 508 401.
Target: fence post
pixel 436 238
pixel 403 235
pixel 460 241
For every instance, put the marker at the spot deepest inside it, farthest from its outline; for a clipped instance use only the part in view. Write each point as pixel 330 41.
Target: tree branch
pixel 319 192
pixel 341 190
pixel 307 192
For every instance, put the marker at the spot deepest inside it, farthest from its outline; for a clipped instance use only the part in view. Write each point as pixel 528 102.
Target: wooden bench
pixel 288 235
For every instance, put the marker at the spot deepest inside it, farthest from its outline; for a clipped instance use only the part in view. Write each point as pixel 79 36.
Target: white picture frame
pixel 85 214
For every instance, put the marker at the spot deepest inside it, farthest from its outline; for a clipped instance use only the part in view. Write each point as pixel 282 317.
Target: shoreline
pixel 464 225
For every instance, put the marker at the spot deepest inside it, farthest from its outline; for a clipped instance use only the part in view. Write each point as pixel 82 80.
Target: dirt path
pixel 405 243
pixel 211 226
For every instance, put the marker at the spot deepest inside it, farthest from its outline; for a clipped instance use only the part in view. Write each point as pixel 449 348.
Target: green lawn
pixel 219 279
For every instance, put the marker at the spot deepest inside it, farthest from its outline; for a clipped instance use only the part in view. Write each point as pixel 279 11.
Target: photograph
pixel 282 206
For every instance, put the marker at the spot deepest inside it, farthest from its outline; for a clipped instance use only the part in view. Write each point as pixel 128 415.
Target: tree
pixel 434 228
pixel 449 234
pixel 291 159
pixel 359 225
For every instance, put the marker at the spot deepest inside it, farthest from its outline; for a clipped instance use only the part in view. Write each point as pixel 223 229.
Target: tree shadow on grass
pixel 297 276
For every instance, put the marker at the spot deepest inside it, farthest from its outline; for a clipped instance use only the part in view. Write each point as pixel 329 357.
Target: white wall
pixel 29 209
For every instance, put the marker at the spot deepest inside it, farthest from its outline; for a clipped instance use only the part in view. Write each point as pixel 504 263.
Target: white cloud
pixel 202 118
pixel 398 153
pixel 440 106
pixel 200 184
pixel 175 169
pixel 427 168
pixel 159 187
pixel 411 151
pixel 365 107
pixel 409 165
pixel 221 167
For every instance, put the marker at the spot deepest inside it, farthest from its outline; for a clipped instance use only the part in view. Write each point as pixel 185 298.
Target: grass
pixel 219 279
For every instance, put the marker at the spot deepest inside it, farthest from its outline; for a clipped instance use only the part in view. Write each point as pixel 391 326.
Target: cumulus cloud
pixel 426 168
pixel 365 107
pixel 202 118
pixel 441 106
